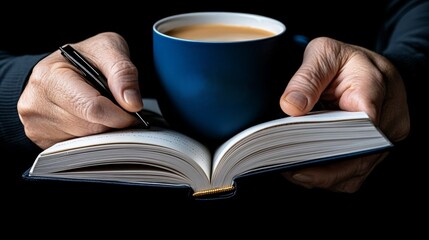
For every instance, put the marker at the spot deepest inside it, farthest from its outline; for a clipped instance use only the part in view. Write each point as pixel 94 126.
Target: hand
pixel 57 103
pixel 347 77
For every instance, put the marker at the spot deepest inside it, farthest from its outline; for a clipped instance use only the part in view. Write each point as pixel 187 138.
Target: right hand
pixel 57 103
pixel 351 78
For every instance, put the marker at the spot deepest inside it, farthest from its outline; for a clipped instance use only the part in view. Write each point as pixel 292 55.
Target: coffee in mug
pixel 219 32
pixel 217 71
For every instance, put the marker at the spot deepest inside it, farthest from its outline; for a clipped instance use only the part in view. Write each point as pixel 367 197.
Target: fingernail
pixel 303 178
pixel 132 97
pixel 297 99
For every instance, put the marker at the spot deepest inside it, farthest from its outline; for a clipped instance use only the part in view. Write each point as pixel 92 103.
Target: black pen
pixel 93 76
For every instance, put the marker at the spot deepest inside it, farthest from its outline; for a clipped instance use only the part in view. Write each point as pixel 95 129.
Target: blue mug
pixel 212 89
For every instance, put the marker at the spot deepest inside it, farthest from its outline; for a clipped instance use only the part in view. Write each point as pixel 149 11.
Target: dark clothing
pixel 403 39
pixel 406 46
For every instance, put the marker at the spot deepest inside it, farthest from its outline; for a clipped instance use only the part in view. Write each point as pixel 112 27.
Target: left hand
pixel 351 78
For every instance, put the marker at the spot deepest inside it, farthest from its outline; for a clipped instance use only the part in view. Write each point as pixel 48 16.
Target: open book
pixel 160 156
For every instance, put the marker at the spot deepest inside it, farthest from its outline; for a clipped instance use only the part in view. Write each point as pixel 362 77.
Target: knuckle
pixel 124 70
pixel 364 166
pixel 91 110
pixel 326 183
pixel 351 186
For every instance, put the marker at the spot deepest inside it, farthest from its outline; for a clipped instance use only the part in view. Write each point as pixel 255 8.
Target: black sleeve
pixel 14 71
pixel 404 40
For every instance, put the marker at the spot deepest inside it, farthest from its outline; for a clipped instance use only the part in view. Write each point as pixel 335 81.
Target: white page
pixel 153 136
pixel 312 117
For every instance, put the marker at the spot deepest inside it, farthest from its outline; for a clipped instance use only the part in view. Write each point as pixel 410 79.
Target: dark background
pixel 392 194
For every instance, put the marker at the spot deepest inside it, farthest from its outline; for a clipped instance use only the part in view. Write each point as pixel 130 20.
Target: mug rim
pixel 277 27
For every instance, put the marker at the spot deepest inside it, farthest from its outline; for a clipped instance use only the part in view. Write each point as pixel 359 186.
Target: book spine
pixel 213 191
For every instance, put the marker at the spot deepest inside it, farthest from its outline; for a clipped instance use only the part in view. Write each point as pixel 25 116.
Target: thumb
pixel 124 85
pixel 318 68
pixel 111 52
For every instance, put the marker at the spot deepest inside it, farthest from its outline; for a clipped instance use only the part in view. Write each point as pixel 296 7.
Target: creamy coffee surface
pixel 218 32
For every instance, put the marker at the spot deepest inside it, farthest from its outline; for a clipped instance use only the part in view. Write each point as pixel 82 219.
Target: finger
pixel 320 65
pixel 123 82
pixel 345 176
pixel 77 97
pixel 351 185
pixel 111 56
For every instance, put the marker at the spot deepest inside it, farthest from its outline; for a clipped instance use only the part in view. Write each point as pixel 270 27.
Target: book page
pixel 198 155
pixel 291 141
pixel 320 116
